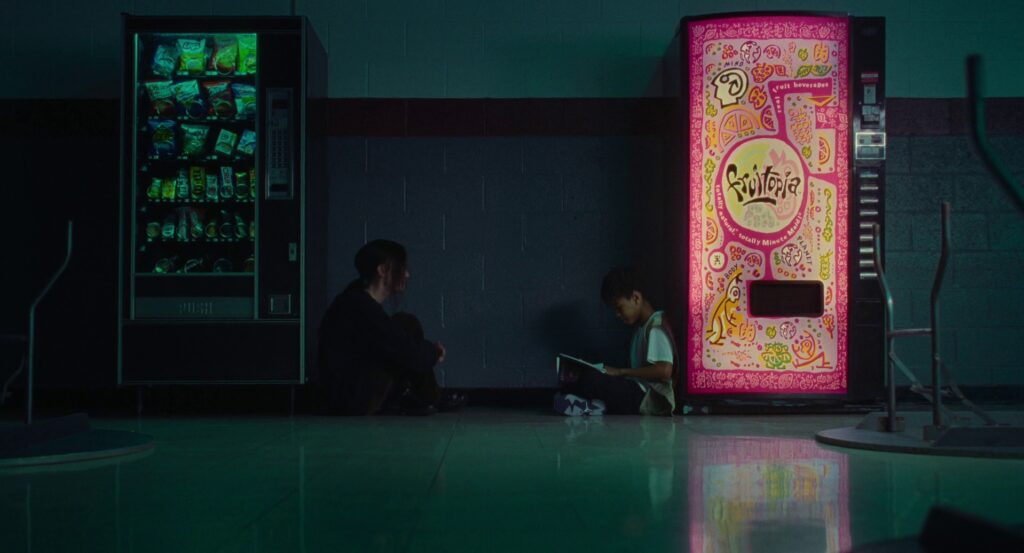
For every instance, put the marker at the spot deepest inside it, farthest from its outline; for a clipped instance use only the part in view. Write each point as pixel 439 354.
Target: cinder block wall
pixel 931 160
pixel 509 238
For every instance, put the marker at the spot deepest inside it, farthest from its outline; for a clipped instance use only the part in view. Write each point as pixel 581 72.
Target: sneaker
pixel 575 406
pixel 411 405
pixel 451 401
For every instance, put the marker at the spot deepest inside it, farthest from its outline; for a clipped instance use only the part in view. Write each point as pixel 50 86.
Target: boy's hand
pixel 440 351
pixel 613 371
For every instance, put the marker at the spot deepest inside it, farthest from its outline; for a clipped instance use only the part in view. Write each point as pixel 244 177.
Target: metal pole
pixel 890 422
pixel 32 328
pixel 940 271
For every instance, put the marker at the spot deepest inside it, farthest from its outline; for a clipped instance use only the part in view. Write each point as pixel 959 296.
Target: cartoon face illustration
pixel 724 317
pixel 791 255
pixel 734 289
pixel 730 86
pixel 750 51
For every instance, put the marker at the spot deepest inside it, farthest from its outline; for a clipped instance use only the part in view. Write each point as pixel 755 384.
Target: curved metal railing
pixel 32 325
pixel 979 136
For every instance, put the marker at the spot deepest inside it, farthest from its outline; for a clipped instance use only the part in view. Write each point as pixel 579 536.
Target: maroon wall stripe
pixel 499 117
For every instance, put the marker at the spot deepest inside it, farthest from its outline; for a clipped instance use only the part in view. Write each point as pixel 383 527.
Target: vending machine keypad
pixel 279 184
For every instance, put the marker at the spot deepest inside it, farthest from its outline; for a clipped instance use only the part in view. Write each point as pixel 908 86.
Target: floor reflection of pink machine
pixel 766 494
pixel 784 171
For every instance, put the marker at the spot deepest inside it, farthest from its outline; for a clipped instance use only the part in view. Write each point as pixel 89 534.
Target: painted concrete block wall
pixel 502 48
pixel 981 306
pixel 509 238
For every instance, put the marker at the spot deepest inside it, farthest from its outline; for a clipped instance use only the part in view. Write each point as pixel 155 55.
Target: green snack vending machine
pixel 222 187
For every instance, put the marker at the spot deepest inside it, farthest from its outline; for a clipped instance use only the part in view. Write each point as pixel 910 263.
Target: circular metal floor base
pixel 88 445
pixel 911 440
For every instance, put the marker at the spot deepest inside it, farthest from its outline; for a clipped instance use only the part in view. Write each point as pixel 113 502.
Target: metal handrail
pixel 32 326
pixel 979 138
pixel 891 333
pixel 976 112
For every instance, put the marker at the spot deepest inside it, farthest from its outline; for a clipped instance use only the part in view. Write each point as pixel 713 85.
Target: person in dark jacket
pixel 367 357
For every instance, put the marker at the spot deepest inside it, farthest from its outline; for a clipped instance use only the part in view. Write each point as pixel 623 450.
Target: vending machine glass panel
pixel 194 183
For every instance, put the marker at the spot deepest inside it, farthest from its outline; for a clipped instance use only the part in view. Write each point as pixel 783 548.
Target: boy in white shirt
pixel 648 386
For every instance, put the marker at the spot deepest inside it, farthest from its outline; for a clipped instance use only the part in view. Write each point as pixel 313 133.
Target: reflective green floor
pixel 493 480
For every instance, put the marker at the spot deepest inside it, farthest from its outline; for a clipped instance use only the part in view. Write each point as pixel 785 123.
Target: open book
pixel 570 361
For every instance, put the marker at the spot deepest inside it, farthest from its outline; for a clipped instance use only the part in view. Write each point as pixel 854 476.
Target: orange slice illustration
pixel 824 151
pixel 737 123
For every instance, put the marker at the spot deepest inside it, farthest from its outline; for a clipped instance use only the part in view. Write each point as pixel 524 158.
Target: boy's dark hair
pixel 409 323
pixel 377 252
pixel 621 282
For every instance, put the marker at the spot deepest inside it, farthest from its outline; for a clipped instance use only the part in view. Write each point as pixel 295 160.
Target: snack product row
pixel 220 98
pixel 221 54
pixel 203 264
pixel 189 224
pixel 197 184
pixel 169 139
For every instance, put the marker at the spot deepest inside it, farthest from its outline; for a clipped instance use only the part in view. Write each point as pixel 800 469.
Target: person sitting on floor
pixel 648 386
pixel 365 356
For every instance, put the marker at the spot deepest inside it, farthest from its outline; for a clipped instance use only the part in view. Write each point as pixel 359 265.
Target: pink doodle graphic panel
pixel 769 135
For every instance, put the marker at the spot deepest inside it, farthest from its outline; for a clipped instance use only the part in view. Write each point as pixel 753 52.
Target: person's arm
pixel 662 370
pixel 395 345
pixel 659 360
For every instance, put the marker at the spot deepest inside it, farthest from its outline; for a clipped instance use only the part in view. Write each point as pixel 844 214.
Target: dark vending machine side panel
pixel 280 179
pixel 293 183
pixel 867 207
pixel 315 180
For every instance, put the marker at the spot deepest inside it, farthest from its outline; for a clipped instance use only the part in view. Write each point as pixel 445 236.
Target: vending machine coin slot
pixel 870 82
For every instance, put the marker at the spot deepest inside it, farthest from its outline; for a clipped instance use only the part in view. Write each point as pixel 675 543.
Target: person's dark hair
pixel 377 252
pixel 409 323
pixel 621 282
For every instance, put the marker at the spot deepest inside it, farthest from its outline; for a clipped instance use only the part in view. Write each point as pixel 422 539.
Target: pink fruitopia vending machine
pixel 784 175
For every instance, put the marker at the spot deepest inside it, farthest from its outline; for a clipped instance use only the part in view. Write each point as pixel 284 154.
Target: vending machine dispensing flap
pixel 280 113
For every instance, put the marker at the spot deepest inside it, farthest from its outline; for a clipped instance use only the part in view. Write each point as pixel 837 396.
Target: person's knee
pixel 410 324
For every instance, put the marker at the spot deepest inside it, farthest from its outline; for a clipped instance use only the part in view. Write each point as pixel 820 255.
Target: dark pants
pixel 620 395
pixel 365 392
